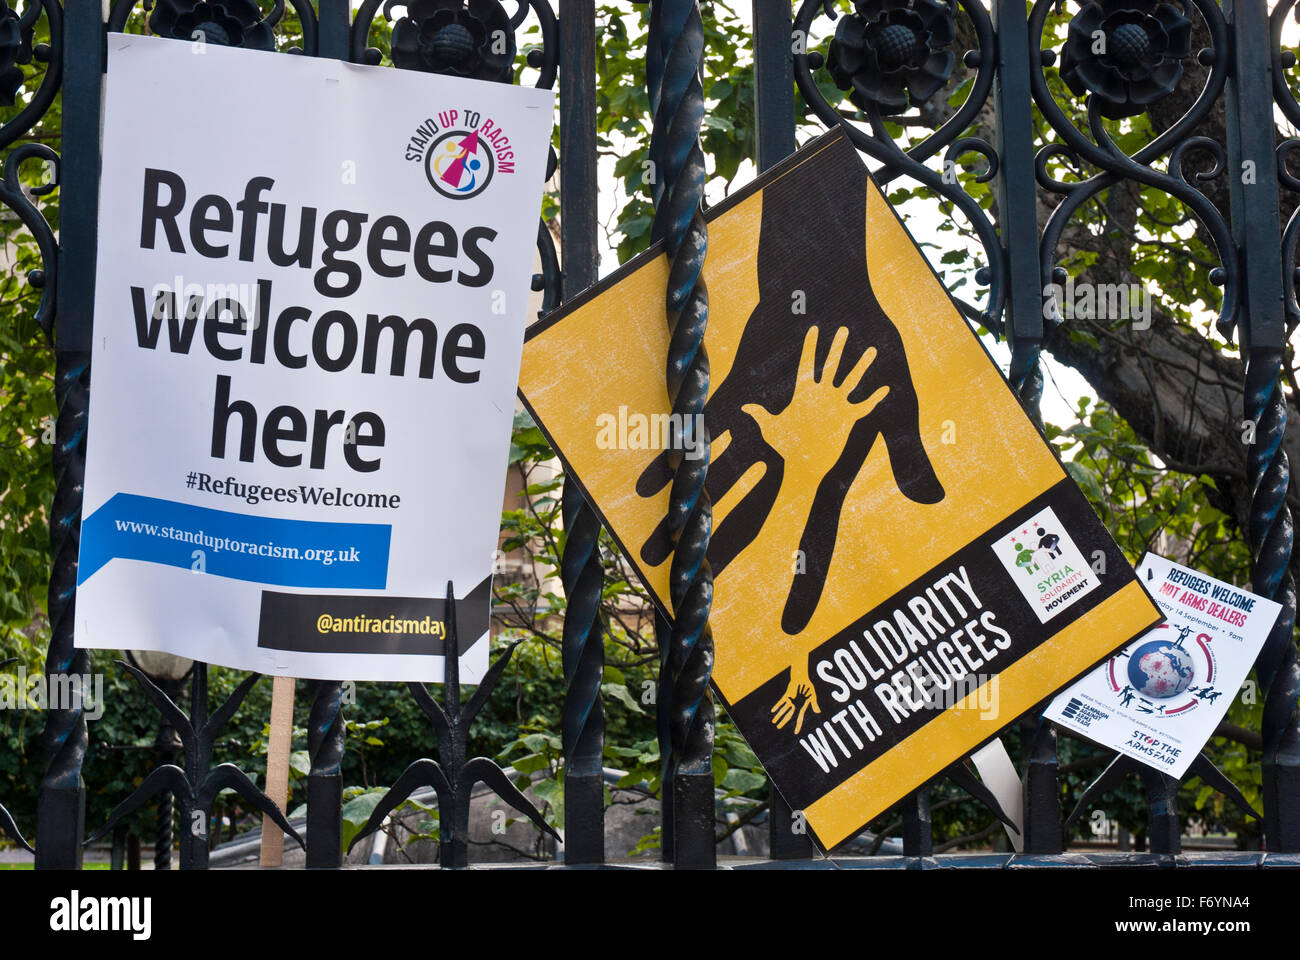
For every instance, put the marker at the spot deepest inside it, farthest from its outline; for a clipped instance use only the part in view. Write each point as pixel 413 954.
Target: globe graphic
pixel 1159 669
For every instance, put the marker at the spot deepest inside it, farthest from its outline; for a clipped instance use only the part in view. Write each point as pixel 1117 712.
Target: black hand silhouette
pixel 811 255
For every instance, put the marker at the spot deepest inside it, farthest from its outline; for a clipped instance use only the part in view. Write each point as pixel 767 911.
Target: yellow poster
pixel 901 565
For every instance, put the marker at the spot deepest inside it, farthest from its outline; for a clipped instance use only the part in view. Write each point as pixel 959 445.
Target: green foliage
pixel 27 411
pixel 623 110
pixel 1145 506
pixel 358 804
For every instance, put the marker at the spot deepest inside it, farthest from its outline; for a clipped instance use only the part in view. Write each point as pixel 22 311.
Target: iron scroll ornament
pixel 1115 165
pixel 11 49
pixel 17 49
pixel 1285 98
pixel 879 145
pixel 19 199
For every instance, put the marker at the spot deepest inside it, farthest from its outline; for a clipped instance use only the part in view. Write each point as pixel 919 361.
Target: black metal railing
pixel 1242 68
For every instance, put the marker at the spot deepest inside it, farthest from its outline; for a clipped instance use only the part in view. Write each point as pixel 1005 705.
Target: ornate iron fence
pixel 887 55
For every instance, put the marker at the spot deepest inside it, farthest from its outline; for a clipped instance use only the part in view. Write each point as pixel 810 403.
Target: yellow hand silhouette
pixel 813 428
pixel 810 435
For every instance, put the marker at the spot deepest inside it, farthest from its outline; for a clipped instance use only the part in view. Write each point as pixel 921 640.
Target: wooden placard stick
pixel 279 742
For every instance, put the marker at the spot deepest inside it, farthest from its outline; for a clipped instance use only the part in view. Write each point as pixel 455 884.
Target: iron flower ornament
pixel 227 23
pixel 892 53
pixel 1126 53
pixel 472 40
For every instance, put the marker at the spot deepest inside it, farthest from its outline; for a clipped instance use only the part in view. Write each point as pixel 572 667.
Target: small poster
pixel 1045 565
pixel 1159 699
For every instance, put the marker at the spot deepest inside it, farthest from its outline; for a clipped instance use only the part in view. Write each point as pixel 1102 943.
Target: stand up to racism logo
pixel 461 151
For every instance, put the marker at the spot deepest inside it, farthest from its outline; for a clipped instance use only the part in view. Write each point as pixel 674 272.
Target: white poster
pixel 311 293
pixel 1159 699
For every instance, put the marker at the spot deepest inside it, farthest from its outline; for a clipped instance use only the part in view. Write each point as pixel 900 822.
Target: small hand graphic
pixel 799 696
pixel 819 407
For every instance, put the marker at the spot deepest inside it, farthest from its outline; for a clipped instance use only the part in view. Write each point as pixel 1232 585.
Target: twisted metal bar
pixel 62 815
pixel 678 31
pixel 663 628
pixel 1272 536
pixel 325 728
pixel 584 666
pixel 167 745
pixel 1026 377
pixel 162 846
pixel 60 819
pixel 581 570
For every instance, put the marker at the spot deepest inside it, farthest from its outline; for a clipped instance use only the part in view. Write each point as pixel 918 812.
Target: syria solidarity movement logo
pixel 461 152
pixel 1045 564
